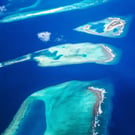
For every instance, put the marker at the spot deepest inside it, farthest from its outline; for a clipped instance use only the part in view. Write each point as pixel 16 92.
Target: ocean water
pixel 19 80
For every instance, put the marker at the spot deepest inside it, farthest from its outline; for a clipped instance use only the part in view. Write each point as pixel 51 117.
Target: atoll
pixel 109 27
pixel 70 108
pixel 67 54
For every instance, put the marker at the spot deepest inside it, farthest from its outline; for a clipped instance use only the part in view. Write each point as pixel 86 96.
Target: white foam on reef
pixel 101 95
pixel 102 91
pixel 16 16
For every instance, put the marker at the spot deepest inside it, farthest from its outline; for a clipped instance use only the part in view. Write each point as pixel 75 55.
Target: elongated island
pixel 67 54
pixel 39 8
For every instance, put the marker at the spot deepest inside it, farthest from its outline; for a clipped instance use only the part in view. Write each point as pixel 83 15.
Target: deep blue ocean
pixel 18 81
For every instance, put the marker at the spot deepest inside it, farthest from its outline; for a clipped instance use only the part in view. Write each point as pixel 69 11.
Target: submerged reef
pixel 109 27
pixel 34 10
pixel 44 36
pixel 70 108
pixel 67 54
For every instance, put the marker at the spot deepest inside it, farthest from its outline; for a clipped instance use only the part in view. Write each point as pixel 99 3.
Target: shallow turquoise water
pixel 18 38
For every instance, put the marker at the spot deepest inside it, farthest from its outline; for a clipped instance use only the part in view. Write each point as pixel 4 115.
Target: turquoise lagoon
pixel 67 54
pixel 33 10
pixel 70 108
pixel 73 107
pixel 113 27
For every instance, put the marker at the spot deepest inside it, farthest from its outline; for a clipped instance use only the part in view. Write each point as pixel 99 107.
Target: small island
pixel 113 27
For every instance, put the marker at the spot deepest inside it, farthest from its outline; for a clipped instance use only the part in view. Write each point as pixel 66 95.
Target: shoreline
pixel 97 107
